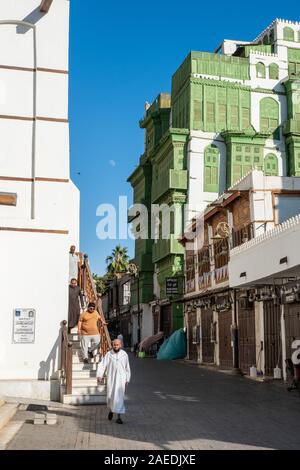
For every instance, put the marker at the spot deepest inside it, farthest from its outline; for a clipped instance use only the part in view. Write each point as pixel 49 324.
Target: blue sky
pixel 121 55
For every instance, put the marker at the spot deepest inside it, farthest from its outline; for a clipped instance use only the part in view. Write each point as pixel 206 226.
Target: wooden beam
pixel 8 199
pixel 45 6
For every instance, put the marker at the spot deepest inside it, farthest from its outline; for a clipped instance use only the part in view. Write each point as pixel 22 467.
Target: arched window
pixel 269 116
pixel 211 169
pixel 271 165
pixel 288 34
pixel 274 71
pixel 260 70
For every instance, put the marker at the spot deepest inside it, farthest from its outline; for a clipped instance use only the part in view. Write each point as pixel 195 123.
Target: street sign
pixel 172 286
pixel 24 326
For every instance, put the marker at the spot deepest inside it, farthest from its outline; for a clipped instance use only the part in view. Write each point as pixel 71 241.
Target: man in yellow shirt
pixel 89 331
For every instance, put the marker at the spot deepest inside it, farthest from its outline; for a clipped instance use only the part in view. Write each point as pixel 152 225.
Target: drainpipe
pixel 33 153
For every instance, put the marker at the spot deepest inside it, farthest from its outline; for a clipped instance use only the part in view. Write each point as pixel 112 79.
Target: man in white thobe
pixel 116 365
pixel 74 263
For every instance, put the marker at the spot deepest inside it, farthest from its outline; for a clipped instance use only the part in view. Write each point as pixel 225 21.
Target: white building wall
pixel 35 250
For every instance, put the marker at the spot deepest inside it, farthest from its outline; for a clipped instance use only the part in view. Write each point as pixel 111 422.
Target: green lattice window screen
pixel 234 116
pixel 274 71
pixel 260 70
pixel 222 115
pixel 244 158
pixel 211 169
pixel 271 165
pixel 245 118
pixel 197 114
pixel 288 34
pixel 294 68
pixel 210 112
pixel 269 116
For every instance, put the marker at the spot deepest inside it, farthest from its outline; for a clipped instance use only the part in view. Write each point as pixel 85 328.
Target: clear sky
pixel 123 53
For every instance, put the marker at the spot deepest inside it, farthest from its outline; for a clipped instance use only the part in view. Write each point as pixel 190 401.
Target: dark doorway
pixel 246 333
pixel 225 349
pixel 166 319
pixel 272 340
pixel 192 324
pixel 207 344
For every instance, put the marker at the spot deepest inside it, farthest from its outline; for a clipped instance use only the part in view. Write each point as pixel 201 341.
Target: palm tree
pixel 117 262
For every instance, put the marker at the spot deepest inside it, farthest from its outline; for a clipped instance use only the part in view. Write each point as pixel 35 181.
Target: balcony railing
pixel 242 235
pixel 221 253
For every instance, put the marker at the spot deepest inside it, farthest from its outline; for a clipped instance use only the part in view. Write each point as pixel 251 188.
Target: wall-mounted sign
pixel 172 285
pixel 24 326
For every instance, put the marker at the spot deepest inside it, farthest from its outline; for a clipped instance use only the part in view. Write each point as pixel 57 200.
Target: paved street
pixel 176 406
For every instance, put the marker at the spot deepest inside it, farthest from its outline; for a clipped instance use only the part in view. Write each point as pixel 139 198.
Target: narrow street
pixel 173 405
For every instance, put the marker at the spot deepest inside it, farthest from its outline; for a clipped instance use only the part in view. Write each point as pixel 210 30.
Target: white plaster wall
pixel 267 59
pixel 33 278
pixel 16 92
pixel 261 259
pixel 51 85
pixel 15 154
pixel 52 148
pixel 36 264
pixel 52 34
pixel 56 208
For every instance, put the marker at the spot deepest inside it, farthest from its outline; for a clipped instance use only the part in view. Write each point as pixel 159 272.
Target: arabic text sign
pixel 24 326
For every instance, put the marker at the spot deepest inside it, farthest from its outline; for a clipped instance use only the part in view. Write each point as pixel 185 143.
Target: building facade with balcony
pixel 228 112
pixel 223 300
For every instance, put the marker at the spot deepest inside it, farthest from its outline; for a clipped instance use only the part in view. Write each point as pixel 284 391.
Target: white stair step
pixel 84 382
pixel 80 366
pixel 83 374
pixel 89 390
pixel 77 359
pixel 74 337
pixel 7 411
pixel 84 399
pixel 8 432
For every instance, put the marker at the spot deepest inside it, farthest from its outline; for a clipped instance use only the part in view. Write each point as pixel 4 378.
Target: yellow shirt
pixel 89 323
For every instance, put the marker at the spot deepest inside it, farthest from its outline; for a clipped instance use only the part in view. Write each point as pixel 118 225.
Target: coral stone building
pixel 229 111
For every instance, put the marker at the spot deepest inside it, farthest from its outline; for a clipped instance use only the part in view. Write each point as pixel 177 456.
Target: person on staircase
pixel 74 264
pixel 89 332
pixel 76 300
pixel 116 365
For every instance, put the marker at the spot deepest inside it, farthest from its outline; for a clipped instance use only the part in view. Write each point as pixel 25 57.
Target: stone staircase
pixel 78 380
pixel 85 389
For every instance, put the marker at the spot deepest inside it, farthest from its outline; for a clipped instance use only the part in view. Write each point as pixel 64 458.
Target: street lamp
pixel 133 269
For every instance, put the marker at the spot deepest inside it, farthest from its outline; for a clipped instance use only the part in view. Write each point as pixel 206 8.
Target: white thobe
pixel 73 266
pixel 118 373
